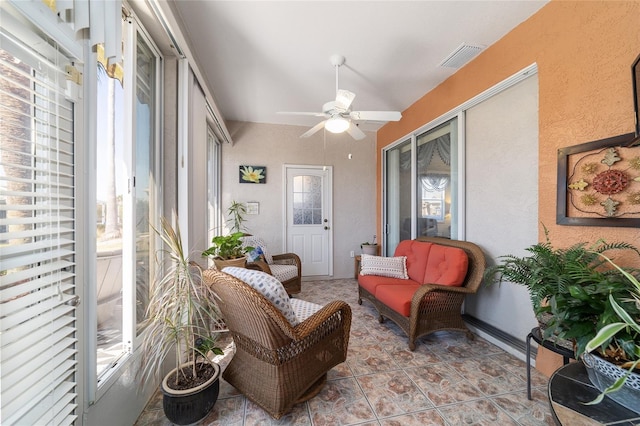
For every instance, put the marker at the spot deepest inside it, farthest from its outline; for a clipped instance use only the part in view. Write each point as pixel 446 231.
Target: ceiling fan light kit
pixel 338 113
pixel 337 124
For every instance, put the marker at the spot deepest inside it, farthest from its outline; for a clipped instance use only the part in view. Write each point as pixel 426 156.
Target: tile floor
pixel 448 380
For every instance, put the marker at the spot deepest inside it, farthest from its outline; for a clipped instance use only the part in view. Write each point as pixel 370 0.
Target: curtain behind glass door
pixel 436 161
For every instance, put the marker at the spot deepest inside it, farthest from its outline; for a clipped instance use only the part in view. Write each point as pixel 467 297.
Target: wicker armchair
pixel 277 365
pixel 435 307
pixel 286 267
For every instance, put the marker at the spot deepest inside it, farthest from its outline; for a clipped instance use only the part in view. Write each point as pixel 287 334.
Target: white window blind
pixel 37 237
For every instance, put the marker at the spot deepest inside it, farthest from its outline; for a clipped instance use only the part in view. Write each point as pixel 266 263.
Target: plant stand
pixel 536 334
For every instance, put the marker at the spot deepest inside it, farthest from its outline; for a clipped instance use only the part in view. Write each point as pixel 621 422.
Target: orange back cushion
pixel 417 253
pixel 446 266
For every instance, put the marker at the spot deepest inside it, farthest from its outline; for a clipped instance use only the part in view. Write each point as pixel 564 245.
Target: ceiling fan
pixel 338 115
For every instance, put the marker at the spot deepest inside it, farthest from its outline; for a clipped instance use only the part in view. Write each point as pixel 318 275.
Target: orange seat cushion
pixel 417 253
pixel 372 282
pixel 446 266
pixel 397 296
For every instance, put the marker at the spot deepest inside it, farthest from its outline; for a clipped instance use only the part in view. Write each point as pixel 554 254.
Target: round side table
pixel 570 388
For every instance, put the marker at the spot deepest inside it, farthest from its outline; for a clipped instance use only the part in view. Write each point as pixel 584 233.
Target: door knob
pixel 326 228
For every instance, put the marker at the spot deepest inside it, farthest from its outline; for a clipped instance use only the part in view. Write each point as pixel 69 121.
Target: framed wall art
pixel 599 183
pixel 635 78
pixel 253 174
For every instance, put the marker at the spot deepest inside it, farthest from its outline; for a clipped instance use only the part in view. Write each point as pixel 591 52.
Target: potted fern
pixel 183 319
pixel 569 288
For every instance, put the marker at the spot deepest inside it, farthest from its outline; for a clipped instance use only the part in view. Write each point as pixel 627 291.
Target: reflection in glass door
pixel 421 186
pixel 110 192
pixel 435 159
pixel 398 195
pixel 126 197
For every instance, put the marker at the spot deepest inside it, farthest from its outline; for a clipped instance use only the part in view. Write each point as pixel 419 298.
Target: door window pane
pixel 307 200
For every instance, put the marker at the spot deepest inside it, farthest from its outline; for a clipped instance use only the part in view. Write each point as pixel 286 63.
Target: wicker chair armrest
pixel 326 313
pixel 259 265
pixel 454 294
pixel 426 288
pixel 287 259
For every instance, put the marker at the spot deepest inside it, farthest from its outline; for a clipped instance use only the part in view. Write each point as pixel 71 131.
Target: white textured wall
pixel 502 190
pixel 272 145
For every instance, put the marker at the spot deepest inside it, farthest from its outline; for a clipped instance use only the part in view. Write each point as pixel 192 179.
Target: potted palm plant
pixel 182 318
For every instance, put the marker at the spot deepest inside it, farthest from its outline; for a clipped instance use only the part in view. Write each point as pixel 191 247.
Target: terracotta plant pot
pixel 240 262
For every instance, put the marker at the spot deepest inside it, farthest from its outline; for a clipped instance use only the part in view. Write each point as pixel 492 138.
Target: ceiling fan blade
pixel 355 132
pixel 376 115
pixel 344 98
pixel 314 129
pixel 312 114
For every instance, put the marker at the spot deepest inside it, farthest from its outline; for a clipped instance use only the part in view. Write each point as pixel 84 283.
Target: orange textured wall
pixel 584 51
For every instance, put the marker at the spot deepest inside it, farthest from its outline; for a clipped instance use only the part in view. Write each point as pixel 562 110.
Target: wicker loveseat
pixel 439 274
pixel 278 363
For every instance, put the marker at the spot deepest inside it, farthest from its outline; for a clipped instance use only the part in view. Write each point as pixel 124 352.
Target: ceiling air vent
pixel 461 55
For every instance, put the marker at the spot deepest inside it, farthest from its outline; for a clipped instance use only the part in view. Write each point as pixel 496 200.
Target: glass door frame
pixel 459 226
pixel 97 387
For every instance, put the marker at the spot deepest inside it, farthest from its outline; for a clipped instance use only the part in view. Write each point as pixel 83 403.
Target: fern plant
pixel 570 286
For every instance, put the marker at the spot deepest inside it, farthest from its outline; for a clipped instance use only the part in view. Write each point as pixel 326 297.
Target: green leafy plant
pixel 227 246
pixel 237 212
pixel 567 285
pixel 619 342
pixel 181 316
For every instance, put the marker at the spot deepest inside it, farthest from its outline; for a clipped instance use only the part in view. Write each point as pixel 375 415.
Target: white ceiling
pixel 261 57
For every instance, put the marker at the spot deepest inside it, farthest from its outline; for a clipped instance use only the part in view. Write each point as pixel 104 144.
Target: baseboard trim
pixel 499 336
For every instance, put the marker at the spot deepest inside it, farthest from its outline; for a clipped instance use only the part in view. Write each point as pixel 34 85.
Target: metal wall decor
pixel 599 183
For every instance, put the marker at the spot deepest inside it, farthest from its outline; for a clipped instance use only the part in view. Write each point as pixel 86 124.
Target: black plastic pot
pixel 192 405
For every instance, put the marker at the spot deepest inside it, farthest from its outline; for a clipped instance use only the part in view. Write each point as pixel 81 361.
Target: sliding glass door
pixel 436 181
pixel 398 161
pixel 421 186
pixel 126 195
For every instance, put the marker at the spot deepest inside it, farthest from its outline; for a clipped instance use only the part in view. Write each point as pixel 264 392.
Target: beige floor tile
pixel 393 393
pixel 383 383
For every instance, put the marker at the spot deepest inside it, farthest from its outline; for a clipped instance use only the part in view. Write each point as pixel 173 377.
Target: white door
pixel 308 217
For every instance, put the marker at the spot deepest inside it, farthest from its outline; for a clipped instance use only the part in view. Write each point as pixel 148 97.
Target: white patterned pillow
pixel 394 267
pixel 304 309
pixel 257 242
pixel 270 288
